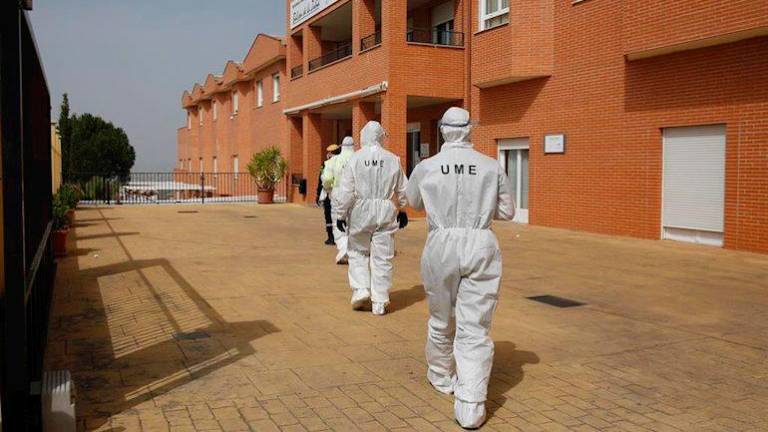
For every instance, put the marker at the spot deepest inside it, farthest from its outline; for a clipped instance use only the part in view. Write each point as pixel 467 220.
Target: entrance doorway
pixel 413 139
pixel 513 156
pixel 693 193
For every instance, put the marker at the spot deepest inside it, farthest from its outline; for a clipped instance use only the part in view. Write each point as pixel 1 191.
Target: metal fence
pixel 28 265
pixel 172 188
pixel 435 37
pixel 343 50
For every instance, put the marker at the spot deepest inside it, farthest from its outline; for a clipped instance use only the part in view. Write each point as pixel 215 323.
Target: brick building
pixel 647 119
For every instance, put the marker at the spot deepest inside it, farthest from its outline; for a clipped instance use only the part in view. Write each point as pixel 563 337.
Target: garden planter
pixel 266 196
pixel 71 217
pixel 60 242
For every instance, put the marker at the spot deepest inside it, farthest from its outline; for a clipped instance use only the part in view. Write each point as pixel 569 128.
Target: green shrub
pixel 267 168
pixel 59 209
pixel 70 195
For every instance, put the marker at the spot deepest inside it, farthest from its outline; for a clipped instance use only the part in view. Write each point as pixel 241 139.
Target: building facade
pixel 647 119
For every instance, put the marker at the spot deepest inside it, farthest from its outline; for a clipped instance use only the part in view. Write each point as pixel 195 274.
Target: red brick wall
pixel 612 112
pixel 522 48
pixel 658 23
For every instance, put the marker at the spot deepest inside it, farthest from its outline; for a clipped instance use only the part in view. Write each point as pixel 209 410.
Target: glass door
pixel 513 155
pixel 414 146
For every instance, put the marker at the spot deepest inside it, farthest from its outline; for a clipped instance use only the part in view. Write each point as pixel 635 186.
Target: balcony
pixel 297 71
pixel 343 51
pixel 370 41
pixel 435 37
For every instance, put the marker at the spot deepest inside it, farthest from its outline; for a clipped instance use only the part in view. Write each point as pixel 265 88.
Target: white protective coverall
pixel 331 177
pixel 462 191
pixel 371 193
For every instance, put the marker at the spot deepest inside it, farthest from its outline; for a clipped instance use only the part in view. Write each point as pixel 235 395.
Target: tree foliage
pixel 65 133
pixel 99 148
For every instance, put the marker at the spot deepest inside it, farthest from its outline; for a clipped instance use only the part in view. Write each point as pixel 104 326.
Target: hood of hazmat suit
pixel 371 193
pixel 334 167
pixel 462 191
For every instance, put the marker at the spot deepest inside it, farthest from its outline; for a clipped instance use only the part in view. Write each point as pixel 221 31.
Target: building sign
pixel 302 10
pixel 554 143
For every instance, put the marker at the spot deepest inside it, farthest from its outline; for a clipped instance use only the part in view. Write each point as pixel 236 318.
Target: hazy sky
pixel 129 61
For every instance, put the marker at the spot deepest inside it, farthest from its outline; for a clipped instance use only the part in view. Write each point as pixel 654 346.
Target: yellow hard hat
pixel 332 148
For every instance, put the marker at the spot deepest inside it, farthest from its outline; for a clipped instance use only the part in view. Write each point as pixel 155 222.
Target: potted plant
pixel 267 168
pixel 60 226
pixel 69 196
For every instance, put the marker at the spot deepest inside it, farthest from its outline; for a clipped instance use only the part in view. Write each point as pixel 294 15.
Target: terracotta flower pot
pixel 266 196
pixel 60 242
pixel 71 217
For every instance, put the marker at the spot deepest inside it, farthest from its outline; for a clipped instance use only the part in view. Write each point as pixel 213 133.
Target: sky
pixel 130 61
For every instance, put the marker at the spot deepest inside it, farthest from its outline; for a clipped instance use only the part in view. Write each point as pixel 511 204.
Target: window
pixel 215 165
pixel 235 102
pixel 189 164
pixel 235 165
pixel 200 115
pixel 215 107
pixel 201 166
pixel 275 87
pixel 443 33
pixel 493 13
pixel 259 93
pixel 181 164
pixel 189 120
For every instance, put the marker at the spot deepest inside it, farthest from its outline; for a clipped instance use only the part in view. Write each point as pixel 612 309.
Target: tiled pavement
pixel 234 318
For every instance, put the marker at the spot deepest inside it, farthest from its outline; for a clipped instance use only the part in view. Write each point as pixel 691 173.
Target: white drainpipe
pixel 378 88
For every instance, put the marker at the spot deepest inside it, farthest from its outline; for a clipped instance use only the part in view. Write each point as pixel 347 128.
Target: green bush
pixel 100 188
pixel 267 168
pixel 59 209
pixel 70 195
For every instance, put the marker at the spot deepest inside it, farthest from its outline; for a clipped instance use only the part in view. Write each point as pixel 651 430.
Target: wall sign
pixel 302 10
pixel 554 143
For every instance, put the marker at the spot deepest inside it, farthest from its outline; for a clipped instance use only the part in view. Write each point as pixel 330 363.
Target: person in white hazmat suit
pixel 331 178
pixel 462 190
pixel 370 198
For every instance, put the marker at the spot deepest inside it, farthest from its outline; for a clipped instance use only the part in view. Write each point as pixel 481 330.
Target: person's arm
pixel 327 176
pixel 505 203
pixel 400 187
pixel 344 194
pixel 319 185
pixel 412 190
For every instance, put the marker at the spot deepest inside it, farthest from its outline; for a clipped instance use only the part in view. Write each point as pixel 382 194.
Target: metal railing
pixel 370 41
pixel 297 71
pixel 173 188
pixel 343 50
pixel 435 37
pixel 28 264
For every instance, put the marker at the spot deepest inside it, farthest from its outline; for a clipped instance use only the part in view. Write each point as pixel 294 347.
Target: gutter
pixel 377 88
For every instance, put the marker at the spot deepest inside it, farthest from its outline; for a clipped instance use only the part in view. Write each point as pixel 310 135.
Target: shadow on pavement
pixel 127 340
pixel 401 299
pixel 507 372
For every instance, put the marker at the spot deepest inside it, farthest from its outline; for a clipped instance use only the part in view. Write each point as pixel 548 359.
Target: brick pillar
pixel 362 113
pixel 363 21
pixel 312 152
pixel 394 108
pixel 313 45
pixel 295 54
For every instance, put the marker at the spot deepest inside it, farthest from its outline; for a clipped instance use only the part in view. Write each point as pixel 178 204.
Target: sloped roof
pixel 233 72
pixel 186 99
pixel 264 51
pixel 212 85
pixel 197 94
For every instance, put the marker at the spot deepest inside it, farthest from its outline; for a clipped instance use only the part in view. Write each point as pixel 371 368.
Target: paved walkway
pixel 233 317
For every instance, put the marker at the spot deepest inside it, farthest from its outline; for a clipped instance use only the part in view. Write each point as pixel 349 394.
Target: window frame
pixel 275 87
pixel 200 115
pixel 259 93
pixel 215 109
pixel 235 102
pixel 485 17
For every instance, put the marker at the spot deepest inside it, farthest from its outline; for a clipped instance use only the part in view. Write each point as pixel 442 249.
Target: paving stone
pixel 236 333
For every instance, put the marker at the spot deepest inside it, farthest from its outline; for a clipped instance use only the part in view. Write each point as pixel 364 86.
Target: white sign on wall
pixel 302 10
pixel 554 143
